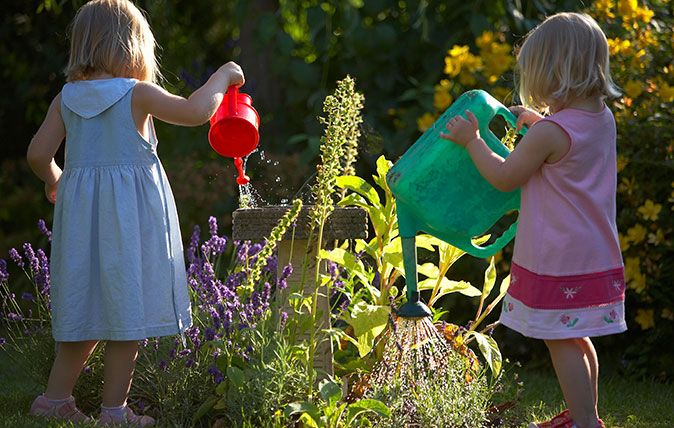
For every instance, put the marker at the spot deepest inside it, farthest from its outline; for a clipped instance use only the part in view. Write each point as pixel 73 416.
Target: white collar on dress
pixel 89 98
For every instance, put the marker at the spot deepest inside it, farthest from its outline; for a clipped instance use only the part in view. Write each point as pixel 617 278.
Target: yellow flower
pixel 425 121
pixel 668 314
pixel 441 98
pixel 656 238
pixel 636 234
pixel 624 242
pixel 485 39
pixel 632 267
pixel 638 283
pixel 633 88
pixel 650 210
pixel 627 8
pixel 621 163
pixel 645 318
pixel 617 46
pixel 604 7
pixel 627 185
pixel 644 14
pixel 666 92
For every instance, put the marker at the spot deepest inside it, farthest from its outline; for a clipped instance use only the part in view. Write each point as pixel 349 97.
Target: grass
pixel 623 403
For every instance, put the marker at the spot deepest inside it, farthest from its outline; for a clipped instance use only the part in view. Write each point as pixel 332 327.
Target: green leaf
pixel 330 391
pixel 236 376
pixel 205 408
pixel 359 186
pixel 383 166
pixel 348 260
pixel 367 405
pixel 309 421
pixel 428 269
pixel 393 254
pixel 303 407
pixel 447 286
pixel 368 321
pixel 490 350
pixel 489 279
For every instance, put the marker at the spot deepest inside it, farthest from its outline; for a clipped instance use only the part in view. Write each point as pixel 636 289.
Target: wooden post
pixel 255 224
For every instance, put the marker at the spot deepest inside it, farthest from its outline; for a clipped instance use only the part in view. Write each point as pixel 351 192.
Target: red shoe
pixel 64 411
pixel 562 420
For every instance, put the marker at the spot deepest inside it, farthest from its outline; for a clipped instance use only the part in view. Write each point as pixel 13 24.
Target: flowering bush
pixel 233 329
pixel 641 44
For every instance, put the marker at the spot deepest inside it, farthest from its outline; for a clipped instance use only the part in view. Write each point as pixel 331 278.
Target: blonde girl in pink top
pixel 567 282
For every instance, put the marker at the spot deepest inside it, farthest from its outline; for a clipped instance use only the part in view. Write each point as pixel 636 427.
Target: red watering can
pixel 234 129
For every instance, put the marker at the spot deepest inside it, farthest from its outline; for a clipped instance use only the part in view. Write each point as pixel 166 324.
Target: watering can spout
pixel 413 308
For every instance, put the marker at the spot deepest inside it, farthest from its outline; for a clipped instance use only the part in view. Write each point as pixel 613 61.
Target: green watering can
pixel 439 191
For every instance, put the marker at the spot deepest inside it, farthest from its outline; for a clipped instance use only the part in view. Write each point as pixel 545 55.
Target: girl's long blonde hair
pixel 113 37
pixel 564 58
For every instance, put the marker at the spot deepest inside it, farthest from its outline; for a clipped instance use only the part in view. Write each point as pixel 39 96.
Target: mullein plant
pixel 339 149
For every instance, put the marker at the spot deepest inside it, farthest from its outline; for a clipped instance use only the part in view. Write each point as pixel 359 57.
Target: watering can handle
pixel 233 92
pixel 491 249
pixel 510 118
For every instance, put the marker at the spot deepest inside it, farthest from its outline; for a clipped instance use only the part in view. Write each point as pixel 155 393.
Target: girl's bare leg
pixel 68 364
pixel 593 361
pixel 120 362
pixel 574 376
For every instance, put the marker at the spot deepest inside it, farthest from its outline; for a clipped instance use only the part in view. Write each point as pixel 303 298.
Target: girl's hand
pixel 234 73
pixel 462 131
pixel 525 117
pixel 50 190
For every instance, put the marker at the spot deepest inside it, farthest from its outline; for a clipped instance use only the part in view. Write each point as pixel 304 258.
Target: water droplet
pixel 277 179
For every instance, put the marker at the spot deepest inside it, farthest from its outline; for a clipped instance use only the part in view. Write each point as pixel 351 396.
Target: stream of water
pixel 414 352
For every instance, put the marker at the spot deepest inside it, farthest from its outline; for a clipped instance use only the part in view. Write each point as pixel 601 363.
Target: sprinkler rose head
pixel 414 309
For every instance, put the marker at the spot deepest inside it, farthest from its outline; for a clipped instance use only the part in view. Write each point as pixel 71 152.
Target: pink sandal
pixel 66 411
pixel 129 418
pixel 562 420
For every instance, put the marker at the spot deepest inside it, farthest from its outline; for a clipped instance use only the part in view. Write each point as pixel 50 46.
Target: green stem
pixel 314 308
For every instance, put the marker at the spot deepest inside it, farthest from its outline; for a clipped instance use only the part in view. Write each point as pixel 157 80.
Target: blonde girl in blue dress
pixel 117 266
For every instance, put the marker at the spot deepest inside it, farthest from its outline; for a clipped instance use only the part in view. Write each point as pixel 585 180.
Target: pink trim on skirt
pixel 564 307
pixel 566 292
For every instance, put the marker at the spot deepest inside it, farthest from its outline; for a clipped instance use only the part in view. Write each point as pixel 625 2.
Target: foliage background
pixel 410 58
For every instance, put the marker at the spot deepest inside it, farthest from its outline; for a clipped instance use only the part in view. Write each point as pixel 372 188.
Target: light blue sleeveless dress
pixel 117 265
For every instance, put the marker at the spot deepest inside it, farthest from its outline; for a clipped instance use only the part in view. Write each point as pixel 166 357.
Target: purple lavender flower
pixel 193 248
pixel 209 334
pixel 163 365
pixel 4 275
pixel 213 226
pixel 333 269
pixel 16 257
pixel 287 271
pixel 185 352
pixel 189 362
pixel 87 370
pixel 27 296
pixel 42 278
pixel 11 316
pixel 218 377
pixel 43 229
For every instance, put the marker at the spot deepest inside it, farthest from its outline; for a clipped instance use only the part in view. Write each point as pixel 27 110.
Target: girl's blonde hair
pixel 111 36
pixel 564 58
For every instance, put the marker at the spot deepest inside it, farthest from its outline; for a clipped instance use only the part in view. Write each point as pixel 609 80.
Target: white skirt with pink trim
pixel 564 307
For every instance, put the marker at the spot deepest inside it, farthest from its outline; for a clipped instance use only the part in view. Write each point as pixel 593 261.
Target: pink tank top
pixel 567 220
